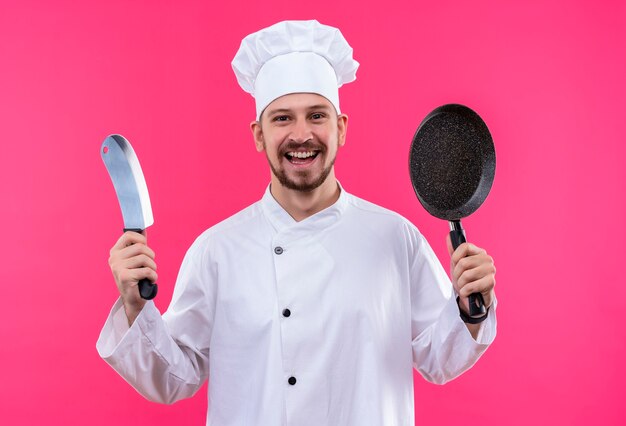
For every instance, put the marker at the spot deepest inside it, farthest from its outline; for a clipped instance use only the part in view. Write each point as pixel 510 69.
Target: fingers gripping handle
pixel 457 236
pixel 147 289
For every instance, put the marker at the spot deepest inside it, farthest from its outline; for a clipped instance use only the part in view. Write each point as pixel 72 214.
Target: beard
pixel 305 182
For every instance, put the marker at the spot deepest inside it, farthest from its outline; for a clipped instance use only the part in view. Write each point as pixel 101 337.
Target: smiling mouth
pixel 301 157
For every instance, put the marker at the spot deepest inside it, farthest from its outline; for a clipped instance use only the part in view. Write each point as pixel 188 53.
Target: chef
pixel 311 306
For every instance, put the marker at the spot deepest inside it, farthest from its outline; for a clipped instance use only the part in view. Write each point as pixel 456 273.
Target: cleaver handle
pixel 147 290
pixel 457 236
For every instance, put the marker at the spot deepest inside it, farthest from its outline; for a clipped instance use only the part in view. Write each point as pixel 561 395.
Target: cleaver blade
pixel 130 186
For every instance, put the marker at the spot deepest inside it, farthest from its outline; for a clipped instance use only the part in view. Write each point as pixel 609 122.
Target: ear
pixel 257 134
pixel 342 128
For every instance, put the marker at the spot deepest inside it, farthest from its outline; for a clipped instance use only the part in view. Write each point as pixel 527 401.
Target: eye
pixel 317 116
pixel 280 118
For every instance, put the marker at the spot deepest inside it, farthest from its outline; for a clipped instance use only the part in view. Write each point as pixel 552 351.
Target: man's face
pixel 300 134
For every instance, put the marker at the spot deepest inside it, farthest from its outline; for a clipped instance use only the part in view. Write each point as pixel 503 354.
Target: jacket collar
pixel 283 222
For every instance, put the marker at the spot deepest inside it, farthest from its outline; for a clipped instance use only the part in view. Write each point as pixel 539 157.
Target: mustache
pixel 308 145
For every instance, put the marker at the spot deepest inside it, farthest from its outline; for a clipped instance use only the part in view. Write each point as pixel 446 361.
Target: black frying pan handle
pixel 457 236
pixel 147 290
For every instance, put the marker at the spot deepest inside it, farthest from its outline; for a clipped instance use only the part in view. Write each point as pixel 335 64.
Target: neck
pixel 301 205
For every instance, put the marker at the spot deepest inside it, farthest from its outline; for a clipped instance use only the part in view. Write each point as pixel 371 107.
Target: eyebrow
pixel 312 107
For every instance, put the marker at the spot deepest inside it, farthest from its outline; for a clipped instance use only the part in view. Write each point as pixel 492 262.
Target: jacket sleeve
pixel 166 358
pixel 443 347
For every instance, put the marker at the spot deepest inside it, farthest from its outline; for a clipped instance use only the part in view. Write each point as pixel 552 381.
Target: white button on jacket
pixel 318 322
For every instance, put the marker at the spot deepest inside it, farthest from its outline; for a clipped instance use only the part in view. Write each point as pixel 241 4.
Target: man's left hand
pixel 472 270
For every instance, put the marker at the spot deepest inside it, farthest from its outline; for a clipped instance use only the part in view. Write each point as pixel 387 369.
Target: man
pixel 310 307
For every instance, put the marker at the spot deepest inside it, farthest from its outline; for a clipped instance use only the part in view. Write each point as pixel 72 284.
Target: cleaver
pixel 123 166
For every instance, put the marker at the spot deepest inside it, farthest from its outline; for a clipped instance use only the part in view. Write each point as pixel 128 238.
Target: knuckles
pixel 467 272
pixel 463 264
pixel 466 277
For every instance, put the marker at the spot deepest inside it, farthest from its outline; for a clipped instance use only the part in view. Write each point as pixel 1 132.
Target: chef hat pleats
pixel 294 57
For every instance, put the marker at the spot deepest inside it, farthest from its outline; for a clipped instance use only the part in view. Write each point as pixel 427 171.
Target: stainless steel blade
pixel 132 193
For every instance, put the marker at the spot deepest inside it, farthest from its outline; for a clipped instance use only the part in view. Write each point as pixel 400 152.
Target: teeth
pixel 301 154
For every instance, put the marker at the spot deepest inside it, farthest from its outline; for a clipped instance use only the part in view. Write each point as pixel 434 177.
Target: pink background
pixel 547 77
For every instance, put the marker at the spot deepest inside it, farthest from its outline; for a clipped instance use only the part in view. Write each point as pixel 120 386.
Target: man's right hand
pixel 131 260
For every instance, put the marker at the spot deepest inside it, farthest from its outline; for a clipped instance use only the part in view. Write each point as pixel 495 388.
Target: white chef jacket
pixel 317 322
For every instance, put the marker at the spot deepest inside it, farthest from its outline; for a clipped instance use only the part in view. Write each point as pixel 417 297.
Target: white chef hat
pixel 294 57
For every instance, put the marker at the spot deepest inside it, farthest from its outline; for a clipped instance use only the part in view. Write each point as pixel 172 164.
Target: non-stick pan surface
pixel 452 162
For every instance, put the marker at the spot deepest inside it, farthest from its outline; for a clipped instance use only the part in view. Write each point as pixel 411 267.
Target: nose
pixel 301 131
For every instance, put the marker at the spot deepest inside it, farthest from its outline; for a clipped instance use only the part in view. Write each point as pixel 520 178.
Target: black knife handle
pixel 147 290
pixel 457 236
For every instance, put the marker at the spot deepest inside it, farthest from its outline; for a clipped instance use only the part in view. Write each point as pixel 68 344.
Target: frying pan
pixel 452 163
